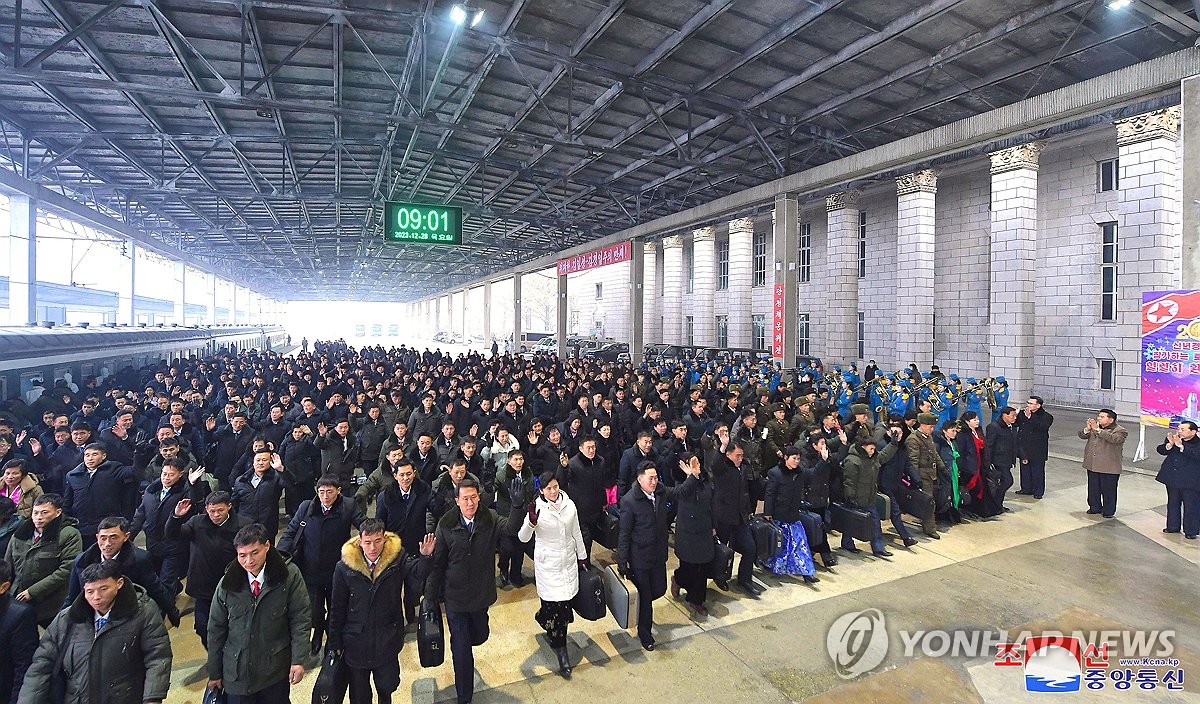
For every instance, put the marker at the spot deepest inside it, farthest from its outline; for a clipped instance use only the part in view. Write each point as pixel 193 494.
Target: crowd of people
pixel 415 484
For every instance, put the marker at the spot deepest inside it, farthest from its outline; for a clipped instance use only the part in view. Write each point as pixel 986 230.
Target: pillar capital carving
pixel 923 181
pixel 704 234
pixel 842 200
pixel 672 241
pixel 1022 156
pixel 649 247
pixel 741 225
pixel 1157 124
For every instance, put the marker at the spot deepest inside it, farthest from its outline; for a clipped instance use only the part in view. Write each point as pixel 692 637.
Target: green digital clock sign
pixel 422 223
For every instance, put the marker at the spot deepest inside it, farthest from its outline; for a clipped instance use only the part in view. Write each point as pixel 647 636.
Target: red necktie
pixel 255 588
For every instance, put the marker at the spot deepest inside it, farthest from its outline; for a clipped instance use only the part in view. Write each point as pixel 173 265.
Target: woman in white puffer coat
pixel 558 555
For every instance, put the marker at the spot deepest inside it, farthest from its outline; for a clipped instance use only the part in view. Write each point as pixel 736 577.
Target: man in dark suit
pixel 642 547
pixel 403 508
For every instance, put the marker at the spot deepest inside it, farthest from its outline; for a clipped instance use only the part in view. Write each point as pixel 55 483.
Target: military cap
pixel 927 419
pixel 859 409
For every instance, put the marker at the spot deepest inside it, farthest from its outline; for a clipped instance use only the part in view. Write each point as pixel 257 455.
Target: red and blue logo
pixel 1053 664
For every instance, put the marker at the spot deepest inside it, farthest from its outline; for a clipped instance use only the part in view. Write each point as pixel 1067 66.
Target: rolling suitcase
pixel 611 532
pixel 768 538
pixel 914 503
pixel 589 600
pixel 622 598
pixel 431 639
pixel 854 522
pixel 722 564
pixel 883 506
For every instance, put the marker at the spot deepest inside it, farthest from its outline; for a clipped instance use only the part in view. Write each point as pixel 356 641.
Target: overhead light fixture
pixel 1119 4
pixel 459 15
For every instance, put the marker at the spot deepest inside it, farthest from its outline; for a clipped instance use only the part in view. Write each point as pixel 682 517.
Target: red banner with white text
pixel 615 254
pixel 777 324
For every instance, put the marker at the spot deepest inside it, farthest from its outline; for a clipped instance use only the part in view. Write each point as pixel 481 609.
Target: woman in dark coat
pixel 783 506
pixel 695 529
pixel 972 461
pixel 815 469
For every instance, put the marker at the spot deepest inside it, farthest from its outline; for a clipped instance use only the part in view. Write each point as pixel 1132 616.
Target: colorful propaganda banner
pixel 1170 357
pixel 615 254
pixel 777 323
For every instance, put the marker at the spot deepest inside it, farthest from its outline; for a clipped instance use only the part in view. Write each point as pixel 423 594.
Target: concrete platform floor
pixel 1044 565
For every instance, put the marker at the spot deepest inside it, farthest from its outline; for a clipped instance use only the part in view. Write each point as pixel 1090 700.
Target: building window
pixel 722 331
pixel 758 331
pixel 1108 272
pixel 722 265
pixel 599 291
pixel 1108 374
pixel 862 245
pixel 862 336
pixel 805 252
pixel 689 327
pixel 1106 176
pixel 689 267
pixel 802 334
pixel 760 259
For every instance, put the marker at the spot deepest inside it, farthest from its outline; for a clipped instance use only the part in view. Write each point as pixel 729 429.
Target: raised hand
pixel 195 475
pixel 428 544
pixel 182 508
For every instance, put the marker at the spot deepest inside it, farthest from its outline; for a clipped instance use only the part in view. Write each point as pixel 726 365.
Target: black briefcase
pixel 589 601
pixel 854 522
pixel 431 639
pixel 610 532
pixel 914 503
pixel 768 538
pixel 722 564
pixel 331 684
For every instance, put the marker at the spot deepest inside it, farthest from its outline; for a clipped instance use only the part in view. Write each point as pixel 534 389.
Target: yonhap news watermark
pixel 1050 661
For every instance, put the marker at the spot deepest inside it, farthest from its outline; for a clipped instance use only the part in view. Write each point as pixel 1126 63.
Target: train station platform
pixel 1045 565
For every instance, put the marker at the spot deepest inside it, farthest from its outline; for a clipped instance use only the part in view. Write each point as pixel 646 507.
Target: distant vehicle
pixel 674 353
pixel 531 337
pixel 609 352
pixel 738 354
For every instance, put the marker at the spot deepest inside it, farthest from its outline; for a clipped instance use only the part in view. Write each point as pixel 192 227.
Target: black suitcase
pixel 331 684
pixel 722 564
pixel 431 639
pixel 589 601
pixel 855 522
pixel 611 531
pixel 768 538
pixel 914 503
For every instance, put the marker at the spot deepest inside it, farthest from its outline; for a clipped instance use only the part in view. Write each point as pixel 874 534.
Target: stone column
pixel 785 226
pixel 704 263
pixel 1149 236
pixel 487 312
pixel 517 313
pixel 466 294
pixel 1191 184
pixel 180 293
pixel 233 303
pixel 637 296
pixel 127 290
pixel 672 298
pixel 1013 266
pixel 22 260
pixel 212 300
pixel 737 300
pixel 841 267
pixel 651 305
pixel 915 194
pixel 561 330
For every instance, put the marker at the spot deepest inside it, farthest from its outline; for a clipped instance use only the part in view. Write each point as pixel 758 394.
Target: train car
pixel 74 353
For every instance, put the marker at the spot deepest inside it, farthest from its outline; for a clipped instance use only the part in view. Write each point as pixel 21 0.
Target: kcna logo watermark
pixel 858 642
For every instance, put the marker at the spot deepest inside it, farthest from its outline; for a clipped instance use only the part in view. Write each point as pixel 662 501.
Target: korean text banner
pixel 1170 357
pixel 615 254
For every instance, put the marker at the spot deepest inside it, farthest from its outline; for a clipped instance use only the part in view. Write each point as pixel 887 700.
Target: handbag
pixel 214 696
pixel 331 684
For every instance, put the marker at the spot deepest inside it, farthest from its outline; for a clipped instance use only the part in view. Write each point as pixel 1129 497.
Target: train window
pixel 86 369
pixel 27 383
pixel 60 373
pixel 3 387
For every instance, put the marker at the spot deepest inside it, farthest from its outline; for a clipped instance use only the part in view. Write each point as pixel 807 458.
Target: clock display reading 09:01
pixel 420 222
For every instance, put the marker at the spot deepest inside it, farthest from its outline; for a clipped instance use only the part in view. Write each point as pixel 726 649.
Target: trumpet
pixel 866 384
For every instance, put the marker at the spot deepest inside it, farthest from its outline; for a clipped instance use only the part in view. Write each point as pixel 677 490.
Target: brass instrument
pixel 866 384
pixel 989 387
pixel 832 379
